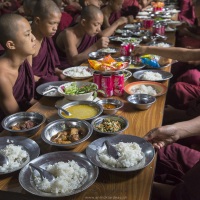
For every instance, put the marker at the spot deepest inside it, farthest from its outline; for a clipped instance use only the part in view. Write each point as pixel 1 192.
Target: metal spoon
pixel 43 173
pixel 50 89
pixel 3 160
pixel 111 150
pixel 65 111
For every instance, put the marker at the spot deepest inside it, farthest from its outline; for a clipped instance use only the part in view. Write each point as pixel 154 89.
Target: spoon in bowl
pixel 111 150
pixel 43 173
pixel 3 160
pixel 65 111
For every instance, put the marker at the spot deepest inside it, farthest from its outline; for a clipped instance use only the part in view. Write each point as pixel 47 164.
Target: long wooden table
pixel 109 185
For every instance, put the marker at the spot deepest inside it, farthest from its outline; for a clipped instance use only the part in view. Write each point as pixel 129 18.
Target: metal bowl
pixel 77 97
pixel 99 120
pixel 146 148
pixel 97 55
pixel 20 117
pixel 115 102
pixel 30 146
pixel 133 65
pixel 26 175
pixel 123 59
pixel 63 124
pixel 141 101
pixel 97 106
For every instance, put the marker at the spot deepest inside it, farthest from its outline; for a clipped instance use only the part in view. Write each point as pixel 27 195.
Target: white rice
pixel 162 44
pixel 143 89
pixel 152 76
pixel 130 154
pixel 16 157
pixel 78 72
pixel 68 177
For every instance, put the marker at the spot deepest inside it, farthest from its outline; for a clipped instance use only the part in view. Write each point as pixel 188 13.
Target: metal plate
pixel 71 72
pixel 147 150
pixel 40 89
pixel 165 75
pixel 30 146
pixel 27 182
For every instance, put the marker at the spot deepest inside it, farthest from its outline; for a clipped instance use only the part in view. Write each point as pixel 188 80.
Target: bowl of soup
pixel 84 110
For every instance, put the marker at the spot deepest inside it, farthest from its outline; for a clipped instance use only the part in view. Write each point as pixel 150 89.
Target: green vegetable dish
pixel 74 89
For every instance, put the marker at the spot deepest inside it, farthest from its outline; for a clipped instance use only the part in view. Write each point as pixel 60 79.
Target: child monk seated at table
pixel 112 12
pixel 16 77
pixel 75 43
pixel 45 60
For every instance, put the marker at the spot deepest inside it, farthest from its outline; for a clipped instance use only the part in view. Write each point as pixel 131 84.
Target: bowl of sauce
pixel 110 106
pixel 84 110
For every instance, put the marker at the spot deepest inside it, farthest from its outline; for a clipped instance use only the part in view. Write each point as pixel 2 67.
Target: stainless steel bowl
pixel 117 103
pixel 20 117
pixel 97 55
pixel 141 101
pixel 28 145
pixel 63 124
pixel 97 106
pixel 99 120
pixel 123 59
pixel 26 175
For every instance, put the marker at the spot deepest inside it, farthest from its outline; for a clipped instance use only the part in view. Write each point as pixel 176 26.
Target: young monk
pixel 112 12
pixel 97 3
pixel 66 19
pixel 75 43
pixel 47 16
pixel 130 8
pixel 16 77
pixel 28 6
pixel 177 165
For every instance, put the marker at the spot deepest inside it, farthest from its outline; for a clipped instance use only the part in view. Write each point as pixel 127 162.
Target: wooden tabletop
pixel 109 185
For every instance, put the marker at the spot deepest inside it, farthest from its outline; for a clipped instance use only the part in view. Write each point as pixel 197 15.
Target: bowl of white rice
pixel 19 151
pixel 152 75
pixel 146 87
pixel 73 173
pixel 134 153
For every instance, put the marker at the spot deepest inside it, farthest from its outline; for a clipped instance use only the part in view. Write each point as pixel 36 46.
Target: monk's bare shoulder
pixel 8 76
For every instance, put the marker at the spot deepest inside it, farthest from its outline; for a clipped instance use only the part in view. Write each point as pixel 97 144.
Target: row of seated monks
pixel 36 50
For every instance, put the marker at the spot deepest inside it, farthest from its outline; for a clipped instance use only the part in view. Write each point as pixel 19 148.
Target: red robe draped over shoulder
pixel 113 17
pixel 130 7
pixel 86 42
pixel 185 90
pixel 24 87
pixel 187 11
pixel 45 62
pixel 66 20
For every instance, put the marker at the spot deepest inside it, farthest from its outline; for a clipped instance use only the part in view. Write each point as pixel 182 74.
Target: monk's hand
pixel 162 136
pixel 122 20
pixel 103 42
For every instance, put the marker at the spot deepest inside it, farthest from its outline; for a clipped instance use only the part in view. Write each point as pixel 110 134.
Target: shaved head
pixel 90 12
pixel 9 26
pixel 44 8
pixel 28 6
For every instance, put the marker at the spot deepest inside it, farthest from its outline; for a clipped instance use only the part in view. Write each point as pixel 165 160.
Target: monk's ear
pixel 10 44
pixel 36 20
pixel 83 22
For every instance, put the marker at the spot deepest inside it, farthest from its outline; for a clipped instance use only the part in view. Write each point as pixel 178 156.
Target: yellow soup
pixel 81 112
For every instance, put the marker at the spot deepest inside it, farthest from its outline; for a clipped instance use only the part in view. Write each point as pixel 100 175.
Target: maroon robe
pixel 185 90
pixel 86 42
pixel 187 11
pixel 10 9
pixel 66 20
pixel 45 62
pixel 113 17
pixel 187 41
pixel 130 7
pixel 179 165
pixel 24 87
pixel 173 162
